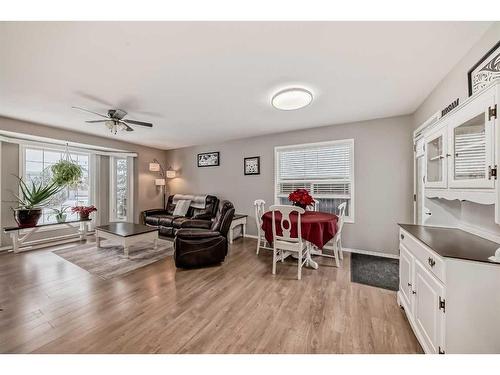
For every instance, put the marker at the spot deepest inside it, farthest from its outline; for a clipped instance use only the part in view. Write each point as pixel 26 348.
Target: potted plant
pixel 60 213
pixel 31 200
pixel 84 211
pixel 66 173
pixel 301 198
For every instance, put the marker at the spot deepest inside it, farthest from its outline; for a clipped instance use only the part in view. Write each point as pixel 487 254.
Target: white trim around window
pixel 129 199
pixel 327 172
pixel 62 149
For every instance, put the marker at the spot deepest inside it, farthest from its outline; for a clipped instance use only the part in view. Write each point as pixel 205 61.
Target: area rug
pixel 375 271
pixel 109 261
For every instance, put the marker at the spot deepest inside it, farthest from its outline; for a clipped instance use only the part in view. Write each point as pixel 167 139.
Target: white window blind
pixel 470 155
pixel 324 169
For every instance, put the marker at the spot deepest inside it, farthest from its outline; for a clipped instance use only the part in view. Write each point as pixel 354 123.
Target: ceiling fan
pixel 115 121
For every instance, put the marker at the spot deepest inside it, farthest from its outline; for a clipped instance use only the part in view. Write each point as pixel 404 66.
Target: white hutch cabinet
pixel 449 289
pixel 461 152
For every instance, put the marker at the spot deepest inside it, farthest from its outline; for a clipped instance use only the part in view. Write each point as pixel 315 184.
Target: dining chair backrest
pixel 341 216
pixel 259 211
pixel 314 206
pixel 286 222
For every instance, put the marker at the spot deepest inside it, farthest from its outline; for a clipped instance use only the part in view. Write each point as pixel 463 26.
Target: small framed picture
pixel 252 165
pixel 209 159
pixel 485 71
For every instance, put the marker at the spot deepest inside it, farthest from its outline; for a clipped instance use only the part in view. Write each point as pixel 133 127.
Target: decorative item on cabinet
pixel 450 107
pixel 485 70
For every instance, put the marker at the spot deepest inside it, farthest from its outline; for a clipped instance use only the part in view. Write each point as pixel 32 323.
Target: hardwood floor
pixel 49 305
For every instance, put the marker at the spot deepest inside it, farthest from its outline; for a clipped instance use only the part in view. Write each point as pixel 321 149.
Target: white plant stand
pixel 21 236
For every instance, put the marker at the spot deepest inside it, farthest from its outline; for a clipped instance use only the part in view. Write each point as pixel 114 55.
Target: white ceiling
pixel 201 82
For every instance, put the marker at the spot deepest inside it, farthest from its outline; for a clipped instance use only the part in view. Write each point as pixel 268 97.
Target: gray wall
pixel 383 176
pixel 453 86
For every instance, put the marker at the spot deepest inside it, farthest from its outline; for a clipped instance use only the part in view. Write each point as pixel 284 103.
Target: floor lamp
pixel 156 166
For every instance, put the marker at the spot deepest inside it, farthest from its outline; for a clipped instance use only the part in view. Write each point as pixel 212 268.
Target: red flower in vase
pixel 301 197
pixel 84 211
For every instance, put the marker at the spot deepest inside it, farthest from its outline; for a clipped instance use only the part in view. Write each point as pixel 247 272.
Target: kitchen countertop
pixel 453 242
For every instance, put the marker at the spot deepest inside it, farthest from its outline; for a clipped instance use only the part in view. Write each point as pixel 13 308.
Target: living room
pixel 249 187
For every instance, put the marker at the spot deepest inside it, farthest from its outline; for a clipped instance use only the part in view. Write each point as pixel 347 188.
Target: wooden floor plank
pixel 52 306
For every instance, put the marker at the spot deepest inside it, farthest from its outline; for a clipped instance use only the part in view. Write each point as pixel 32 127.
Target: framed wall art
pixel 251 165
pixel 209 159
pixel 485 70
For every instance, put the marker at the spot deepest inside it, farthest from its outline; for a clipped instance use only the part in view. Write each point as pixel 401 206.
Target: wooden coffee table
pixel 126 234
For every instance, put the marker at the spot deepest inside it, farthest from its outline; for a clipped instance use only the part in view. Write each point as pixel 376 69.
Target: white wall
pixel 383 176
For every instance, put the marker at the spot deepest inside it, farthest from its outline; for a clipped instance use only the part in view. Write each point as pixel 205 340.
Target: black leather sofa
pixel 204 247
pixel 168 224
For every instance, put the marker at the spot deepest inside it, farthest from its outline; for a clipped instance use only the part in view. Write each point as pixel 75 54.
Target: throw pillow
pixel 182 207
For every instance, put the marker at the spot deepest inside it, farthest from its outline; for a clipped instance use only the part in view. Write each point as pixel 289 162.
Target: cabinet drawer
pixel 429 259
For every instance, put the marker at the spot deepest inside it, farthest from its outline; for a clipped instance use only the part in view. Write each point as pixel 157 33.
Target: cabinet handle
pixel 413 292
pixel 431 261
pixel 402 236
pixel 409 284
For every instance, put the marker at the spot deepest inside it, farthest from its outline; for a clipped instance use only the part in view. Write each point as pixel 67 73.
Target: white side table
pixel 238 219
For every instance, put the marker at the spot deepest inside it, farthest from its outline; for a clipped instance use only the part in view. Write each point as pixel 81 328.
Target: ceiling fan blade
pixel 133 122
pixel 86 110
pixel 94 121
pixel 128 128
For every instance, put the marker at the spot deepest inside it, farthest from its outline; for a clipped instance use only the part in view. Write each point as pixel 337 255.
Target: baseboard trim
pixel 374 253
pixel 349 250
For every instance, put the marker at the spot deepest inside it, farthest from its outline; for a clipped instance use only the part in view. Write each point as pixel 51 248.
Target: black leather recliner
pixel 204 247
pixel 168 223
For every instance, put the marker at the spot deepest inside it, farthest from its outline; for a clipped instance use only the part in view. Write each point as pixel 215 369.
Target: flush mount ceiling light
pixel 290 99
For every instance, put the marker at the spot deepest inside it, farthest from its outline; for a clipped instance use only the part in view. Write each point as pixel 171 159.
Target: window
pixel 325 169
pixel 121 182
pixel 36 163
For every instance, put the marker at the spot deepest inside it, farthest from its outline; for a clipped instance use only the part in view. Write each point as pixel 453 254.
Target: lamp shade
pixel 159 181
pixel 154 167
pixel 170 174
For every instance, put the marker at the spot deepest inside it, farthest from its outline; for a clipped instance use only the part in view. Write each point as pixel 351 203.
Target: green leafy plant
pixel 60 213
pixel 36 194
pixel 66 173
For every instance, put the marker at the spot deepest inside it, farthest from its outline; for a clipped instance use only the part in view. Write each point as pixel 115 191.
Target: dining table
pixel 317 228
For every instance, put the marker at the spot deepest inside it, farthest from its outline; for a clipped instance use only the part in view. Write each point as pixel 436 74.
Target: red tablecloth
pixel 317 227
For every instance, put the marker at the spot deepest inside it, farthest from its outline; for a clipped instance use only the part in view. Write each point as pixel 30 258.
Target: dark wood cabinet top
pixel 453 242
pixel 126 229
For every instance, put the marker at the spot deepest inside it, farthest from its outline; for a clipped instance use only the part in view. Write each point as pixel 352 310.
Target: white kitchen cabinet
pixel 452 304
pixel 461 151
pixel 406 264
pixel 471 145
pixel 435 157
pixel 427 314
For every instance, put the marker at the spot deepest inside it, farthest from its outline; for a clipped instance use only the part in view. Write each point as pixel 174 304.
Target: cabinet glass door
pixel 471 150
pixel 435 160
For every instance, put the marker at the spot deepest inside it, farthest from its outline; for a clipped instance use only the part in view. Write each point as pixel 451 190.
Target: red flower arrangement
pixel 301 198
pixel 84 211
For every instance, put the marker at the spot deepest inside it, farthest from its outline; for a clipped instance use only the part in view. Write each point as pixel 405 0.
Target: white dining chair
pixel 260 208
pixel 314 206
pixel 285 244
pixel 337 240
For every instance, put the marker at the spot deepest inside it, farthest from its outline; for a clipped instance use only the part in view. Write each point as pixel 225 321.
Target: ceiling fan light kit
pixel 115 121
